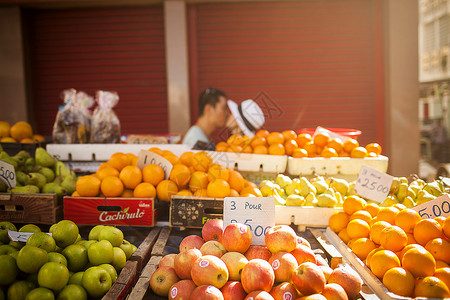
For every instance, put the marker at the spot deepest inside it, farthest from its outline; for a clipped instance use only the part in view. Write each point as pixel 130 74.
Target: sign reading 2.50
pixel 434 208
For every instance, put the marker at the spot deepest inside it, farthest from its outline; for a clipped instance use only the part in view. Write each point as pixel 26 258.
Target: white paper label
pixel 7 174
pixel 373 184
pixel 439 207
pixel 258 213
pixel 148 158
pixel 17 236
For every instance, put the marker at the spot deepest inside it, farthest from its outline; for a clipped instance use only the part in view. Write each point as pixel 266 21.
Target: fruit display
pixel 61 265
pixel 20 132
pixel 41 174
pixel 192 174
pixel 222 264
pixel 410 255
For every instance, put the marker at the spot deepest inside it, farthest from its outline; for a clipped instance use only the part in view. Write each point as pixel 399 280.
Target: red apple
pixel 303 241
pixel 326 271
pixel 257 275
pixel 320 261
pixel 182 290
pixel 303 254
pixel 183 262
pixel 206 292
pixel 167 261
pixel 235 262
pixel 213 248
pixel 346 277
pixel 233 290
pixel 237 237
pixel 162 280
pixel 284 291
pixel 309 279
pixel 283 265
pixel 312 297
pixel 191 242
pixel 334 291
pixel 259 295
pixel 213 230
pixel 281 238
pixel 209 270
pixel 258 251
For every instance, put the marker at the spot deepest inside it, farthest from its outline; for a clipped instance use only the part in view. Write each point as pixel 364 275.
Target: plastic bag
pixel 105 123
pixel 72 124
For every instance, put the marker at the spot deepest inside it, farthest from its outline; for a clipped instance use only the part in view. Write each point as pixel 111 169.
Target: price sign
pixel 373 184
pixel 434 208
pixel 149 158
pixel 7 174
pixel 332 134
pixel 17 236
pixel 258 213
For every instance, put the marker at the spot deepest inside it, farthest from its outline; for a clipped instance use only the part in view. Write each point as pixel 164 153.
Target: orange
pixel 359 152
pixel 103 165
pixel 153 174
pixel 372 208
pixel 75 194
pixel 144 190
pixel 133 158
pixel 119 161
pixel 262 133
pixel 258 141
pixel 251 184
pixel 446 227
pixel 408 247
pixel 180 174
pixel 440 249
pixel 27 140
pixel 218 188
pixel 131 176
pixel 329 152
pixel 218 171
pixel 440 264
pixel 156 150
pixel 371 253
pixel 400 206
pixel 444 275
pixel 388 214
pixel 220 147
pixel 261 149
pixel 361 215
pixel 184 193
pixel 374 220
pixel 275 138
pixel 199 180
pixel 382 261
pixel 111 186
pixel 234 193
pixel 289 135
pixel 426 230
pixel 362 247
pixel 166 152
pixel 107 171
pixel 247 149
pixel 393 238
pixel 310 148
pixel 127 193
pixel 303 138
pixel 236 181
pixel 235 139
pixel 277 149
pixel 344 154
pixel 411 239
pixel 373 147
pixel 350 144
pixel 186 157
pixel 201 161
pixel 441 220
pixel 321 139
pixel 37 138
pixel 172 158
pixel 358 229
pixel 336 144
pixel 201 193
pixel 165 189
pixel 21 130
pixel 419 262
pixel 4 129
pixel 88 186
pixel 431 287
pixel 353 203
pixel 343 235
pixel 376 229
pixel 290 146
pixel 7 139
pixel 399 281
pixel 406 219
pixel 250 190
pixel 350 243
pixel 300 152
pixel 338 221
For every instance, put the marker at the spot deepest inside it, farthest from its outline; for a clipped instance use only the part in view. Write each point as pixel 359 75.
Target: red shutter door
pixel 112 49
pixel 307 63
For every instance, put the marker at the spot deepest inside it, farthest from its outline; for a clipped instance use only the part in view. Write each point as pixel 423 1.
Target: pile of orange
pixel 20 132
pixel 409 254
pixel 302 145
pixel 192 174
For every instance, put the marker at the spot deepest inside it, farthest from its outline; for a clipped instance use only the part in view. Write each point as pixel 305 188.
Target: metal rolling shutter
pixel 117 49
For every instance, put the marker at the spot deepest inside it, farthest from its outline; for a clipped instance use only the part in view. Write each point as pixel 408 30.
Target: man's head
pixel 212 104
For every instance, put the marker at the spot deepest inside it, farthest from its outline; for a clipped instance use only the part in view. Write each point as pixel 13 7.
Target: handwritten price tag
pixel 434 208
pixel 258 213
pixel 17 236
pixel 149 158
pixel 373 184
pixel 7 174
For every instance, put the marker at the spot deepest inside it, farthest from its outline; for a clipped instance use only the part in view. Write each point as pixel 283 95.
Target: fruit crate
pixel 304 216
pixel 30 208
pixel 13 148
pixel 193 212
pixel 251 162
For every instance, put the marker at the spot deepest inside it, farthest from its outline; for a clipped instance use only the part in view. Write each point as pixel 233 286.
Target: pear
pixel 2 187
pixel 390 200
pixel 424 196
pixel 321 185
pixel 53 188
pixel 420 182
pixel 9 160
pixel 351 189
pixel 409 202
pixel 37 179
pixel 69 184
pixel 339 199
pixel 58 180
pixel 21 178
pixel 415 187
pixel 278 199
pixel 281 192
pixel 326 200
pixel 402 190
pixel 306 187
pixel 395 184
pixel 44 159
pixel 283 180
pixel 23 153
pixel 434 189
pixel 294 200
pixel 310 200
pixel 411 193
pixel 61 169
pixel 340 185
pixel 48 173
pixel 291 189
pixel 27 189
pixel 403 180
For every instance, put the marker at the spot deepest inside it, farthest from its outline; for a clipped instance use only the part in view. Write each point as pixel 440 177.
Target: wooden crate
pixel 193 212
pixel 124 283
pixel 30 208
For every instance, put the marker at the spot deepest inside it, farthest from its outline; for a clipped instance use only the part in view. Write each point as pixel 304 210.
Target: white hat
pixel 248 115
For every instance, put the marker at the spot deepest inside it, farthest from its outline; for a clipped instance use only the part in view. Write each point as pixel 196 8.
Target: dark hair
pixel 209 96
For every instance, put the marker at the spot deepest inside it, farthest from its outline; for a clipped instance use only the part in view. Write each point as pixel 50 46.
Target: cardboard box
pixel 193 212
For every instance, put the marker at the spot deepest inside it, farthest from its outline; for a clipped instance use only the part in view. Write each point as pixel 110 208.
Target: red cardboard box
pixel 110 211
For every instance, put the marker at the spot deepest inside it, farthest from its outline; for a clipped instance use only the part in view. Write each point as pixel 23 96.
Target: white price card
pixel 7 174
pixel 17 236
pixel 149 158
pixel 373 184
pixel 434 208
pixel 258 213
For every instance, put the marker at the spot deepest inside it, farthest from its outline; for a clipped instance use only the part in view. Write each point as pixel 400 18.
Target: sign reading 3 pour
pixel 258 213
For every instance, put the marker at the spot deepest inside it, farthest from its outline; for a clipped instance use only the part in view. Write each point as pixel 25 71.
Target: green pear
pixel 402 190
pixel 434 189
pixel 326 199
pixel 21 178
pixel 266 191
pixel 340 185
pixel 10 161
pixel 19 159
pixel 351 189
pixel 54 188
pixel 395 184
pixel 411 193
pixel 3 155
pixel 61 169
pixel 320 185
pixel 403 180
pixel 27 189
pixel 339 198
pixel 291 189
pixel 390 200
pixel 420 182
pixel 415 187
pixel 278 199
pixel 69 184
pixel 29 164
pixel 44 159
pixel 306 187
pixel 424 196
pixel 48 173
pixel 310 200
pixel 37 179
pixel 283 180
pixel 294 200
pixel 23 153
pixel 409 202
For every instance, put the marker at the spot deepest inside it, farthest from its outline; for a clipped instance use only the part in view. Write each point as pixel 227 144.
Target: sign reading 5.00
pixel 149 158
pixel 258 213
pixel 7 174
pixel 373 184
pixel 434 208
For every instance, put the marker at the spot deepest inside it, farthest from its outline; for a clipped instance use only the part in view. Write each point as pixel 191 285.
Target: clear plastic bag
pixel 105 123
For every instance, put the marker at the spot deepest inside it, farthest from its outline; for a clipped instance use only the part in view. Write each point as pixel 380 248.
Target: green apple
pixel 96 281
pixel 65 233
pixel 40 293
pixel 101 253
pixel 111 270
pixel 119 258
pixel 29 228
pixel 53 276
pixel 112 234
pixel 43 241
pixel 87 244
pixel 93 234
pixel 76 278
pixel 9 269
pixel 52 228
pixel 7 249
pixel 76 256
pixel 72 292
pixel 4 226
pixel 30 259
pixel 57 257
pixel 17 245
pixel 127 248
pixel 19 289
pixel 78 239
